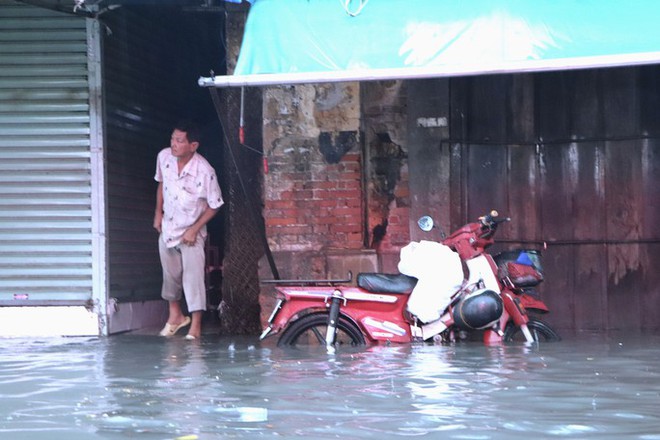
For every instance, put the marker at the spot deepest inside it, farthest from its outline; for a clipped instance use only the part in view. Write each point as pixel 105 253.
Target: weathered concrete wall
pixel 384 118
pixel 337 171
pixel 313 190
pixel 336 193
pixel 313 186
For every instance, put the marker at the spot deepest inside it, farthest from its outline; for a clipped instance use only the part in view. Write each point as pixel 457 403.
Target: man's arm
pixel 190 236
pixel 158 214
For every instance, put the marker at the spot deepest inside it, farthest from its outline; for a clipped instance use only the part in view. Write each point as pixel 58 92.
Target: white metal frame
pixel 266 79
pixel 98 190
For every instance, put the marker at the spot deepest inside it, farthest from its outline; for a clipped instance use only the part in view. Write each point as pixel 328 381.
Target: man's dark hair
pixel 191 129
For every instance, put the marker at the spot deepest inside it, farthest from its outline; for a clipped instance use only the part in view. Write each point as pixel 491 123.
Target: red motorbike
pixel 494 298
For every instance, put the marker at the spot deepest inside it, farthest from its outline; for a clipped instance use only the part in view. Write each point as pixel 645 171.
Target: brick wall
pixel 314 208
pixel 313 193
pixel 337 175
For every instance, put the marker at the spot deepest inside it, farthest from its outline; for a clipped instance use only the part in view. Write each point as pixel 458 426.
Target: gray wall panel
pixel 45 179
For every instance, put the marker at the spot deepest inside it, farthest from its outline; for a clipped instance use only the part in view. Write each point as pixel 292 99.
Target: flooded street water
pixel 146 387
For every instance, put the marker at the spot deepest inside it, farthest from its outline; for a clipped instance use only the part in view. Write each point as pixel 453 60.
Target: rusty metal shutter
pixel 45 172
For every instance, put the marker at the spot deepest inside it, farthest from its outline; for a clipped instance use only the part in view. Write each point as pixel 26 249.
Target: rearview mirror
pixel 425 223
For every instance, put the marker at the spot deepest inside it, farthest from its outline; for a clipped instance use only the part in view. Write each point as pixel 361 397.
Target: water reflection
pixel 147 387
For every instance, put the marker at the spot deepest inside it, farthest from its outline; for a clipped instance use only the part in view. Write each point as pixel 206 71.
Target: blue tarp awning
pixel 308 41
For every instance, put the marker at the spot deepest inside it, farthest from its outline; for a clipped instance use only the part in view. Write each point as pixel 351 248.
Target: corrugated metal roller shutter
pixel 146 91
pixel 139 108
pixel 45 183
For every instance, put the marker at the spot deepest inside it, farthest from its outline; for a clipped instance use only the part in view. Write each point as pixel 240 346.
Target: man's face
pixel 181 147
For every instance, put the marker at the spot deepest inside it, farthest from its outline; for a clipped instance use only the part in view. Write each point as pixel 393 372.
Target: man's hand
pixel 189 237
pixel 158 221
pixel 158 213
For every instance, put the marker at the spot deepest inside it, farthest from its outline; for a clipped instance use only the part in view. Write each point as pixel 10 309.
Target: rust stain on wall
pixel 625 259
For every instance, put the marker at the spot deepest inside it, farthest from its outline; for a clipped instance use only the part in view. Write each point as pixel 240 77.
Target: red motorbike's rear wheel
pixel 541 332
pixel 310 330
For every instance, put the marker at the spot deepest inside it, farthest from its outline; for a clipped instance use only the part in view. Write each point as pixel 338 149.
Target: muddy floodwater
pixel 147 387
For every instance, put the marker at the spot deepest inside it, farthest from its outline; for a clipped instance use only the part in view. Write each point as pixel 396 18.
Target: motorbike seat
pixel 386 283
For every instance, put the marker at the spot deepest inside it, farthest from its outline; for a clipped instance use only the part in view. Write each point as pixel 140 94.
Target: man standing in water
pixel 188 197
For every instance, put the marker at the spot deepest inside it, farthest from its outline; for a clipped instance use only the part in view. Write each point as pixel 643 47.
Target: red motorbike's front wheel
pixel 310 330
pixel 541 332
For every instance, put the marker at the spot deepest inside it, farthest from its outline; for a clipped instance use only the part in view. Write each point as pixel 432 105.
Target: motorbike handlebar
pixel 492 219
pixel 490 223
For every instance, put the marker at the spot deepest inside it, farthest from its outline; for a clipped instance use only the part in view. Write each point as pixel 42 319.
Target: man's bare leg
pixel 176 315
pixel 196 325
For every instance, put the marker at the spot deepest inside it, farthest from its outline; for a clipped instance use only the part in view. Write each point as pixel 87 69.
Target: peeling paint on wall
pixel 384 123
pixel 337 107
pixel 387 159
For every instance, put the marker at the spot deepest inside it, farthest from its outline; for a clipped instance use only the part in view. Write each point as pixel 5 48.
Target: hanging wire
pixel 250 149
pixel 346 4
pixel 241 133
pixel 241 122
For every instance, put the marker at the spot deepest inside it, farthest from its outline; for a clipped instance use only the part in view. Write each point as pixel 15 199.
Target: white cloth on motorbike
pixel 439 275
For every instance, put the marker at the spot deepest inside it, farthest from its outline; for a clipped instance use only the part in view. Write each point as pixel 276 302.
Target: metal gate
pixel 46 191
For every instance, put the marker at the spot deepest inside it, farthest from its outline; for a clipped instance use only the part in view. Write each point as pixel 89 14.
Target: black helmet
pixel 478 310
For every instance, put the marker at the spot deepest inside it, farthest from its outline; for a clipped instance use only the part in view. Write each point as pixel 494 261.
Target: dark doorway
pixel 153 54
